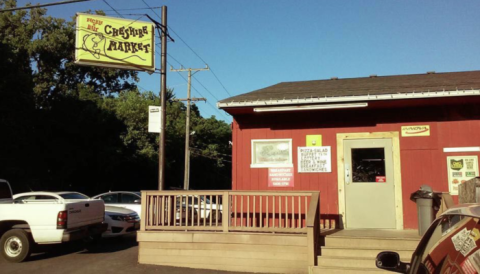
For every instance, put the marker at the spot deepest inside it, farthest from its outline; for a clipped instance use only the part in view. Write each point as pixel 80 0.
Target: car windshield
pixel 73 196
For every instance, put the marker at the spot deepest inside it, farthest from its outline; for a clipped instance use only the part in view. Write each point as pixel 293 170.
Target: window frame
pixel 253 164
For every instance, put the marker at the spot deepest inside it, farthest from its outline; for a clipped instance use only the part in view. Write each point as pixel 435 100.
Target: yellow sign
pixel 412 131
pixel 112 42
pixel 314 140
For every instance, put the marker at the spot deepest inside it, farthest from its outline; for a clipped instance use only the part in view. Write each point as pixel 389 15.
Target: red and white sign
pixel 381 179
pixel 280 177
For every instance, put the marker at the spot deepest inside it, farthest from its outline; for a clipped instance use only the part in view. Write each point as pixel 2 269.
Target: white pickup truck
pixel 25 221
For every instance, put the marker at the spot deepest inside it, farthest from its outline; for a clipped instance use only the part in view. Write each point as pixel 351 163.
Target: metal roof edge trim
pixel 353 98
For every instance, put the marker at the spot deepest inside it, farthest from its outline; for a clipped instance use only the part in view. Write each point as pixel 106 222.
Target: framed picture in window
pixel 271 153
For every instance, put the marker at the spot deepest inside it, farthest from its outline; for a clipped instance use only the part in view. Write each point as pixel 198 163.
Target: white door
pixel 369 184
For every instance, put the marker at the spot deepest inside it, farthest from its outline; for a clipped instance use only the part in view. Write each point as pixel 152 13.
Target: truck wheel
pixel 15 245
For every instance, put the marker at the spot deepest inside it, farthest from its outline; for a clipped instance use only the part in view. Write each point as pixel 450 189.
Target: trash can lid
pixel 426 188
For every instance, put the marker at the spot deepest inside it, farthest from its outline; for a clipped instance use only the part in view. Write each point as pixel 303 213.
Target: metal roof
pixel 396 87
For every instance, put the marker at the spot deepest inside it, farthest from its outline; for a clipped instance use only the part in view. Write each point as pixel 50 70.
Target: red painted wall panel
pixel 422 158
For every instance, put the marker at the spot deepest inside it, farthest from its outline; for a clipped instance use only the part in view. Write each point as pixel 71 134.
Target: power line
pixel 45 5
pixel 113 8
pixel 151 9
pixel 216 77
pixel 206 89
pixel 208 102
pixel 180 63
pixel 181 39
pixel 137 9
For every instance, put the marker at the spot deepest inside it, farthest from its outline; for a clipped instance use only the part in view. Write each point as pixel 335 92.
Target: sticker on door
pixel 381 179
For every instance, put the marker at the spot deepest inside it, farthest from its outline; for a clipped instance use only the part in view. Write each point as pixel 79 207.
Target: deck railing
pixel 235 211
pixel 228 211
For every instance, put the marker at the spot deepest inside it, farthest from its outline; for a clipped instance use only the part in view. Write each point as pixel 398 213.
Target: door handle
pixel 87 205
pixel 347 174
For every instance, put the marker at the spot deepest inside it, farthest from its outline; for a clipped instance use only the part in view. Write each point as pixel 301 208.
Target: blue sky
pixel 253 44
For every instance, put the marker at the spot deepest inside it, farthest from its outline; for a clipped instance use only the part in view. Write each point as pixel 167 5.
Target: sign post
pixel 125 44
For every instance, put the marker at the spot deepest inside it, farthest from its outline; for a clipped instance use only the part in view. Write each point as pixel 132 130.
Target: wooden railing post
pixel 313 228
pixel 143 213
pixel 225 211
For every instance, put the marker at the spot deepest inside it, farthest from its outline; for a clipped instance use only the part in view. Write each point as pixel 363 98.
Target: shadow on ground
pixel 108 245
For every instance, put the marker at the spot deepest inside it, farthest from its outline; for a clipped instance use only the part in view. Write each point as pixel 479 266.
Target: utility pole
pixel 163 95
pixel 186 182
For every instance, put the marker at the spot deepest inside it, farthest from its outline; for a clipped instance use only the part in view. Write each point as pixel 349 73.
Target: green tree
pixel 70 127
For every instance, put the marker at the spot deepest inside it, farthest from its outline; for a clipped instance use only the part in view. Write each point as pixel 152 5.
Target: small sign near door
pixel 280 177
pixel 460 170
pixel 381 179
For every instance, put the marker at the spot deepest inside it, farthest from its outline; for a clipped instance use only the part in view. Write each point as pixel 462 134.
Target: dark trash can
pixel 426 201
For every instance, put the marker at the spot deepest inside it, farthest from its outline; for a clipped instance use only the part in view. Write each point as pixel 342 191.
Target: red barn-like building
pixel 365 143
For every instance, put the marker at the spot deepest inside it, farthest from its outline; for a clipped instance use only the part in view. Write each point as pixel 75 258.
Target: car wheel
pixel 16 245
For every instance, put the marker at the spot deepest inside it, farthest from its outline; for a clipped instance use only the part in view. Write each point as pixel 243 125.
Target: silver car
pixel 125 199
pixel 121 221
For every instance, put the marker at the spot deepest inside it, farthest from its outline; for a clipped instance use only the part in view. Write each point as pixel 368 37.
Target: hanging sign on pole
pixel 113 42
pixel 154 119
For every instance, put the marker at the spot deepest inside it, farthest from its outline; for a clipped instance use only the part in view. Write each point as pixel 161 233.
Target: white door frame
pixel 397 175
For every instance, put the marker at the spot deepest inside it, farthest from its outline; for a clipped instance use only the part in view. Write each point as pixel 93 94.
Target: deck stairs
pixel 354 251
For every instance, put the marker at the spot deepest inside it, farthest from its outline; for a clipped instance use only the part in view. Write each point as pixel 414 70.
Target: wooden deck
pixel 249 231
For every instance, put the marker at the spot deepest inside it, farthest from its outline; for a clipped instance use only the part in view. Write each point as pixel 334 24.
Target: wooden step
pixel 328 251
pixel 372 243
pixel 346 262
pixel 345 270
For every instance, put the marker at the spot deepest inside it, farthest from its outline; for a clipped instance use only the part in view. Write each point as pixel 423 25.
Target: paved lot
pixel 110 256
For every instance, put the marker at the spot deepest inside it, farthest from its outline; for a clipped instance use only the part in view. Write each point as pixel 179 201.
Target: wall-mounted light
pixel 311 107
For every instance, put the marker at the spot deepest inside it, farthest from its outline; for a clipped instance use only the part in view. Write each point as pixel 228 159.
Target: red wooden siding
pixel 453 123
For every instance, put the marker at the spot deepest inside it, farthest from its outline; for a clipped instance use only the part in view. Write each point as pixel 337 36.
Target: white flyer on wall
pixel 314 159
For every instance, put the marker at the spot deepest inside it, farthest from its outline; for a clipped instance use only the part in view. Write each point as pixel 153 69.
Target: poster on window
pixel 280 177
pixel 314 159
pixel 460 170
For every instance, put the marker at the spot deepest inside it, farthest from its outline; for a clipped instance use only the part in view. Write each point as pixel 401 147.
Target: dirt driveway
pixel 111 256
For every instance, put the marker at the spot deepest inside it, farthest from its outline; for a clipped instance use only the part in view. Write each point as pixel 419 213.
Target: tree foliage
pixel 70 127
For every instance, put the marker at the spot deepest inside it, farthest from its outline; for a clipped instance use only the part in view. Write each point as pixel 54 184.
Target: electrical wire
pixel 186 80
pixel 45 5
pixel 137 9
pixel 150 8
pixel 181 39
pixel 113 9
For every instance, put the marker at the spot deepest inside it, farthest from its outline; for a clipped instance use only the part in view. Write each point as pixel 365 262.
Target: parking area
pixel 109 256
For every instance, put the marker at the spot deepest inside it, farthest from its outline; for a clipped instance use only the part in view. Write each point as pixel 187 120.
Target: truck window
pixel 5 191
